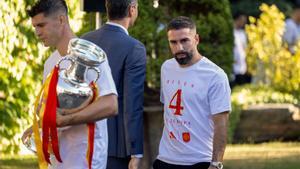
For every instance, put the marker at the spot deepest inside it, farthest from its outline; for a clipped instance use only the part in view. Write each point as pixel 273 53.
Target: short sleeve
pixel 105 83
pixel 219 95
pixel 161 84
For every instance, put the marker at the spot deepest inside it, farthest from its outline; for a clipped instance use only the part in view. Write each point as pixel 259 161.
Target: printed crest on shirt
pixel 186 136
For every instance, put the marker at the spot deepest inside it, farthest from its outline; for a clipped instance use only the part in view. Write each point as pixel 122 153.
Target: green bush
pixel 149 30
pixel 21 67
pixel 20 59
pixel 276 72
pixel 270 62
pixel 246 95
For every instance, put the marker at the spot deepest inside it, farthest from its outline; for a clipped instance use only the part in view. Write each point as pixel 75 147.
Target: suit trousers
pixel 117 163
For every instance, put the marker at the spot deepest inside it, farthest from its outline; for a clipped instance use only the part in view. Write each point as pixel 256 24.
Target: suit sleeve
pixel 134 78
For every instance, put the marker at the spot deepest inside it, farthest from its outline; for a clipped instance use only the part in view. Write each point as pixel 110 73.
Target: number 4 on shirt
pixel 178 108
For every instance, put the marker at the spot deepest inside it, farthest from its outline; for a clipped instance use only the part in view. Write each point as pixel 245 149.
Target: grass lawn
pixel 246 156
pixel 18 162
pixel 263 156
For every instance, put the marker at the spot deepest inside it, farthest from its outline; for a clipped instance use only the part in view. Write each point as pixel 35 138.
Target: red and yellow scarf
pixel 47 115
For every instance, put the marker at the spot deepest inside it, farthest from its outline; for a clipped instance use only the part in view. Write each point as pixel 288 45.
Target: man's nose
pixel 179 47
pixel 38 32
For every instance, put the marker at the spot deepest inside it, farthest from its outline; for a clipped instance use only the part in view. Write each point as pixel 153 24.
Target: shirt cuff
pixel 137 156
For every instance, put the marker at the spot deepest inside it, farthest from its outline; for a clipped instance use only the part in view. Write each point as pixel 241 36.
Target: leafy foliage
pixel 246 95
pixel 275 69
pixel 250 95
pixel 251 7
pixel 149 29
pixel 21 64
pixel 270 61
pixel 19 61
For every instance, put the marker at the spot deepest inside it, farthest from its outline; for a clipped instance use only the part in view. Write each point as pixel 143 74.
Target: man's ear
pixel 131 10
pixel 197 38
pixel 63 19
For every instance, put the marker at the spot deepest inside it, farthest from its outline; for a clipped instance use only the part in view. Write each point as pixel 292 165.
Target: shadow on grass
pixel 272 156
pixel 287 162
pixel 18 163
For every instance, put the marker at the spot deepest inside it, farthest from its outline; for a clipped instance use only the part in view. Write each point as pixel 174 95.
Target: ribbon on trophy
pixel 91 129
pixel 37 139
pixel 47 116
pixel 49 119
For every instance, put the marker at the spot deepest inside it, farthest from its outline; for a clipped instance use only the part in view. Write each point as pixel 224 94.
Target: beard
pixel 183 60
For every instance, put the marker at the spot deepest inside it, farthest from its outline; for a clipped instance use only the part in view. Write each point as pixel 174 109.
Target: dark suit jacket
pixel 127 60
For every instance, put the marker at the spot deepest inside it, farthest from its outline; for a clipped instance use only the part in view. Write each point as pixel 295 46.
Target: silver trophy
pixel 73 88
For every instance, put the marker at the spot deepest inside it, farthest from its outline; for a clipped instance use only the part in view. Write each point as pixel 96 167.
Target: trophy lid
pixel 86 51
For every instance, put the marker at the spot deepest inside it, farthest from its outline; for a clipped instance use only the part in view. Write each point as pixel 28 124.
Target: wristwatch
pixel 217 164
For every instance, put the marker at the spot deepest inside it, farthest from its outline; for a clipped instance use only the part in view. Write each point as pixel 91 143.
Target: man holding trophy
pixel 77 103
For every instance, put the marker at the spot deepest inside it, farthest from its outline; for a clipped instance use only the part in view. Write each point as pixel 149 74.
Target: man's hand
pixel 103 107
pixel 134 163
pixel 60 119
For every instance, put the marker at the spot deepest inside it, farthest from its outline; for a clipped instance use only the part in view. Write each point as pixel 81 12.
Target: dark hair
pixel 48 7
pixel 237 15
pixel 296 6
pixel 180 23
pixel 118 9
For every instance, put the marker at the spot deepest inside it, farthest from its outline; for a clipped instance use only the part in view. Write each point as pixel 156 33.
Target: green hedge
pixel 21 68
pixel 246 95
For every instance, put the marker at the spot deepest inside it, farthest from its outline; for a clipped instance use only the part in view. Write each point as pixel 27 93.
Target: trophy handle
pixel 64 59
pixel 97 71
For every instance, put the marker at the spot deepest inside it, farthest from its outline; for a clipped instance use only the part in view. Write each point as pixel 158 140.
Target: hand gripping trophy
pixel 65 91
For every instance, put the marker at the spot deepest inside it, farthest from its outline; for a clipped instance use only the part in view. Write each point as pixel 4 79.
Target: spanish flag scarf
pixel 45 107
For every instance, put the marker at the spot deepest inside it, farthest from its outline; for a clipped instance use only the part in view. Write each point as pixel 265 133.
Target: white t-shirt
pixel 240 44
pixel 191 96
pixel 291 34
pixel 73 141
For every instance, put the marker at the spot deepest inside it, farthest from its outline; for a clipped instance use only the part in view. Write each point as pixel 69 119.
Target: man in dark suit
pixel 127 59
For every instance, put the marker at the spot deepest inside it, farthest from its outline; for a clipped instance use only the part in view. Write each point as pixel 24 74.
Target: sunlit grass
pixel 242 156
pixel 18 162
pixel 265 150
pixel 263 156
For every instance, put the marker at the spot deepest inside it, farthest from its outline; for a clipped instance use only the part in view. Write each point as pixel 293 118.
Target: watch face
pixel 218 165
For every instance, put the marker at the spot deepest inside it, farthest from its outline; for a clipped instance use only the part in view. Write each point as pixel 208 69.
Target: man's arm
pixel 103 107
pixel 134 78
pixel 220 135
pixel 290 34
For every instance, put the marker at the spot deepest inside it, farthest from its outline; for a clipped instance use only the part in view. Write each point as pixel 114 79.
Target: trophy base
pixel 29 141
